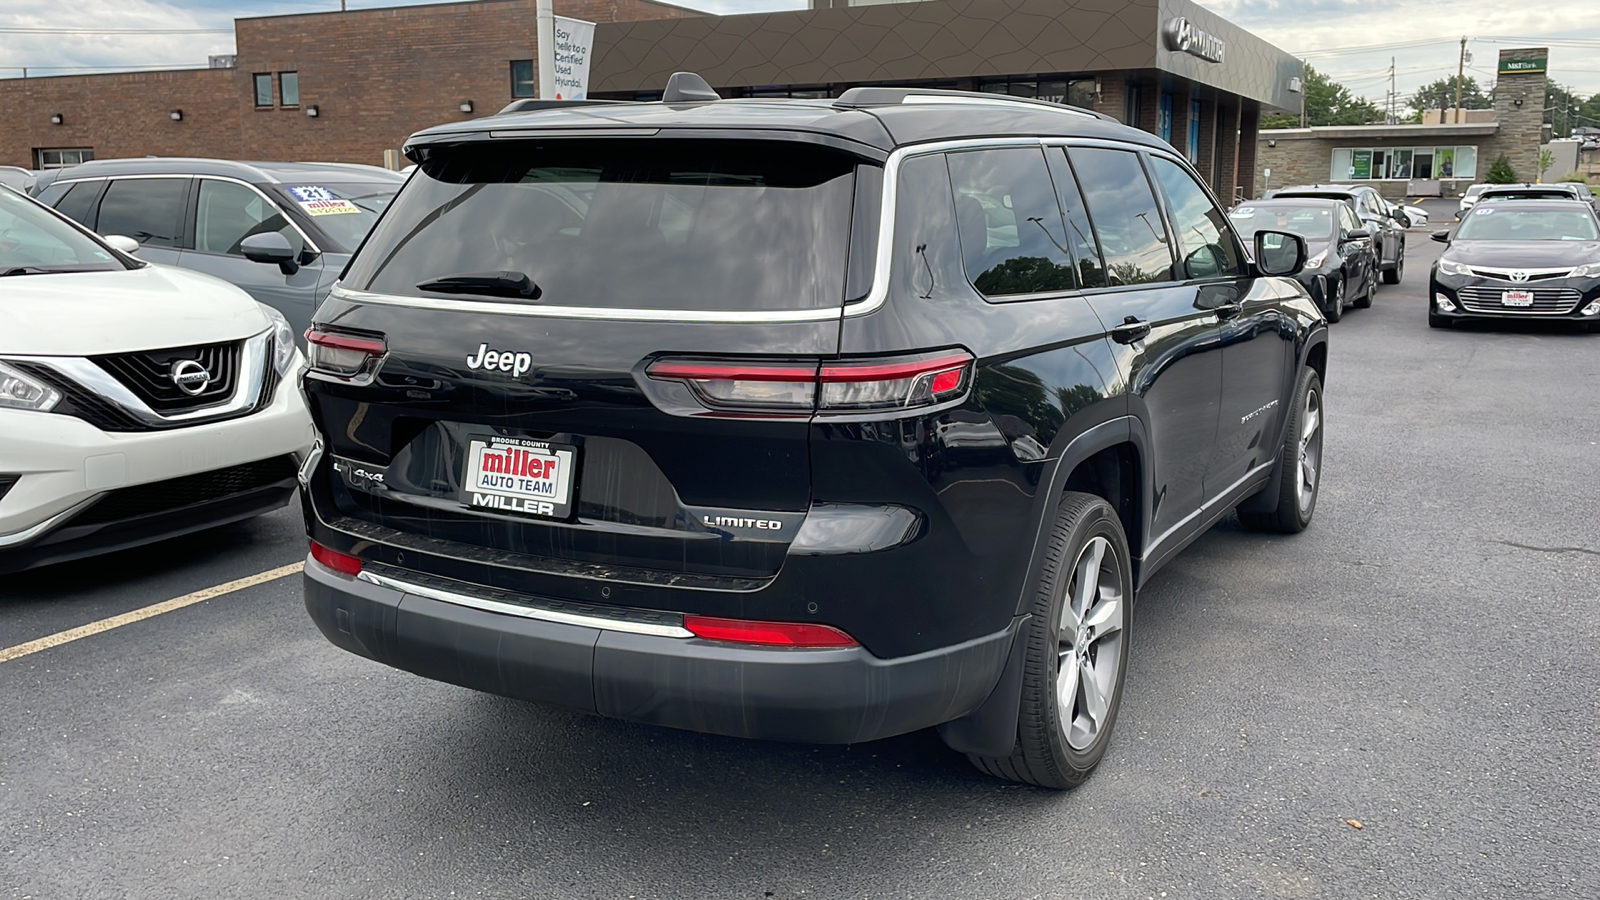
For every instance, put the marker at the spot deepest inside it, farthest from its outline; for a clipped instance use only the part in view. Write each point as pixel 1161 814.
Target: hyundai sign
pixel 1183 37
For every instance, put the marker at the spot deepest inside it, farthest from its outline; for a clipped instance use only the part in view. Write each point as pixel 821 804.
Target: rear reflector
pixel 333 559
pixel 779 634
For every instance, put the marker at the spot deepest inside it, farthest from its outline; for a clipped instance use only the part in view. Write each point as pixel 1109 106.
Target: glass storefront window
pixel 1071 91
pixel 1402 163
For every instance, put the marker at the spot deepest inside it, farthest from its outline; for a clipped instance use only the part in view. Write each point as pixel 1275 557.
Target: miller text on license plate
pixel 1517 298
pixel 519 475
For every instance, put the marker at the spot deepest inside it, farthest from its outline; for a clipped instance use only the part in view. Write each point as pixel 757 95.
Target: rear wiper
pixel 24 270
pixel 498 284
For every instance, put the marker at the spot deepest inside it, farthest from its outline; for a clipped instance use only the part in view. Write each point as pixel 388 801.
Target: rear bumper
pixel 825 696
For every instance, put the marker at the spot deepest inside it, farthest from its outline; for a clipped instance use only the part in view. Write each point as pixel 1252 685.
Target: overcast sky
pixel 1308 28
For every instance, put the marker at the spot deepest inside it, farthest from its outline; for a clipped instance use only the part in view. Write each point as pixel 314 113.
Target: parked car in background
pixel 808 420
pixel 1470 198
pixel 1388 232
pixel 1555 190
pixel 137 402
pixel 281 231
pixel 1413 216
pixel 1519 259
pixel 1339 270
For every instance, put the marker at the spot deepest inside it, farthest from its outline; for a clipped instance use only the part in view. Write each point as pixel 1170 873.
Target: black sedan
pixel 1519 259
pixel 1339 268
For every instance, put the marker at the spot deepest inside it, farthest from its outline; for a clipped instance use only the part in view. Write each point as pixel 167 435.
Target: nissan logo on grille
pixel 190 377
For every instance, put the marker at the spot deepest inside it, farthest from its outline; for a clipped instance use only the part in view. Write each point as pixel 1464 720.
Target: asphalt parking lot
pixel 1420 661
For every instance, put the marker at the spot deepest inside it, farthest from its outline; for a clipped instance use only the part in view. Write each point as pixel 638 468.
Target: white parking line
pixel 154 609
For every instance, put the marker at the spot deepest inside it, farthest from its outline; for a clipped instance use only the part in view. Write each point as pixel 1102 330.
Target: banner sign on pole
pixel 574 43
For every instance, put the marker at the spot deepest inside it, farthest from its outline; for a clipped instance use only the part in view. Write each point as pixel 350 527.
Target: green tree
pixel 1546 160
pixel 1500 172
pixel 1441 94
pixel 1327 103
pixel 1565 111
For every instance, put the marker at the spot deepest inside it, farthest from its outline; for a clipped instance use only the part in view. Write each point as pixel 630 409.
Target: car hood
pixel 89 313
pixel 1524 254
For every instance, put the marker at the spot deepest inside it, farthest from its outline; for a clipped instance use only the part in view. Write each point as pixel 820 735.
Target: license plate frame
pixel 523 476
pixel 1517 299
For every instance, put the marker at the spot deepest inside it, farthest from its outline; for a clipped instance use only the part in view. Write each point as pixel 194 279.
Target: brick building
pixel 1420 160
pixel 371 77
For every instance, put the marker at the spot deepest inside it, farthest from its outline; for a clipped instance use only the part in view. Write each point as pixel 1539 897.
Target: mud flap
pixel 991 729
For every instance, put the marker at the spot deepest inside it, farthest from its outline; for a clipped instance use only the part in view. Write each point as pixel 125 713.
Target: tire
pixel 1299 464
pixel 1365 300
pixel 1333 307
pixel 1392 276
pixel 1087 538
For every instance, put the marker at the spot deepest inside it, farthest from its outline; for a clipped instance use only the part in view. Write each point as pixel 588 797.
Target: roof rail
pixel 687 87
pixel 862 97
pixel 533 104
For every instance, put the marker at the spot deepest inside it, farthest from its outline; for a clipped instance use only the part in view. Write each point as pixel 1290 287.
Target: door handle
pixel 1132 329
pixel 1229 311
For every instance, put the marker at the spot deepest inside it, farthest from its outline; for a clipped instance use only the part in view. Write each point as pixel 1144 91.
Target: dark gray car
pixel 282 231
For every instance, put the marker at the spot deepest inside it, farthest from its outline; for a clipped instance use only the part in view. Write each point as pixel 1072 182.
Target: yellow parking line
pixel 154 609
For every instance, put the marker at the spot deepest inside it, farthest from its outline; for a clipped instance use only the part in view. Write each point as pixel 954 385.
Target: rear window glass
pixel 1315 223
pixel 663 224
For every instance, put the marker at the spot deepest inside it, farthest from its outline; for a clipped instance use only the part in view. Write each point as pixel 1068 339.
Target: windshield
pixel 1501 224
pixel 34 241
pixel 622 223
pixel 344 212
pixel 1311 223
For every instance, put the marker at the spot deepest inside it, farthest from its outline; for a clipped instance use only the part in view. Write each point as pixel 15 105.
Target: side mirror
pixel 121 242
pixel 1443 236
pixel 1280 253
pixel 1358 234
pixel 270 247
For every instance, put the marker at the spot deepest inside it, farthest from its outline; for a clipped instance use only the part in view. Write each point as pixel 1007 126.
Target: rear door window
pixel 1013 241
pixel 1127 222
pixel 624 223
pixel 149 210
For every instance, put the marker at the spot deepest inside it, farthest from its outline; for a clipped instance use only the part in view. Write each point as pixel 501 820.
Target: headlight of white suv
pixel 18 390
pixel 282 340
pixel 1451 267
pixel 1587 270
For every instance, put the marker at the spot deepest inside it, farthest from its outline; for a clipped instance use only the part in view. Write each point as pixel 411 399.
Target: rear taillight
pixel 342 354
pixel 776 634
pixel 779 387
pixel 832 386
pixel 339 562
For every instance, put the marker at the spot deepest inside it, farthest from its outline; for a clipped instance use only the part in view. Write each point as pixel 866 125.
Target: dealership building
pixel 348 86
pixel 1424 160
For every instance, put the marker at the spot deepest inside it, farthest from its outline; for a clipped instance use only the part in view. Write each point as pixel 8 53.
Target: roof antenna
pixel 687 87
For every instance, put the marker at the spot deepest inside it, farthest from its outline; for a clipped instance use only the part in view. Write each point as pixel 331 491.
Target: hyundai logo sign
pixel 1182 37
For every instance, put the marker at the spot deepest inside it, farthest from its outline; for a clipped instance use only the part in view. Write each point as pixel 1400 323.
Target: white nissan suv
pixel 137 402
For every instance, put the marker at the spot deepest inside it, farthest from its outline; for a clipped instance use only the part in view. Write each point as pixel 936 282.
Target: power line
pixel 7 29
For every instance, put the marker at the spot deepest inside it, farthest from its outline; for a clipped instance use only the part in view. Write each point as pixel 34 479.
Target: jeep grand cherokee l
pixel 805 420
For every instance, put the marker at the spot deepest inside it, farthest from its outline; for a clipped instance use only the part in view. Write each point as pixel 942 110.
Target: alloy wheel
pixel 1091 643
pixel 1305 480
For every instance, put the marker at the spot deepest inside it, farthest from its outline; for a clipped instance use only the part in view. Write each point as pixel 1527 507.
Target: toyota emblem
pixel 190 377
pixel 1519 276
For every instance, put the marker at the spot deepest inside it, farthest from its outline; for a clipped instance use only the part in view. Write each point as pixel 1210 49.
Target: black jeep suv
pixel 806 420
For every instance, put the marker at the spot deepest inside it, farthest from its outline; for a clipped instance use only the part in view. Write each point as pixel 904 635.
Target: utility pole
pixel 1461 71
pixel 545 18
pixel 1392 97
